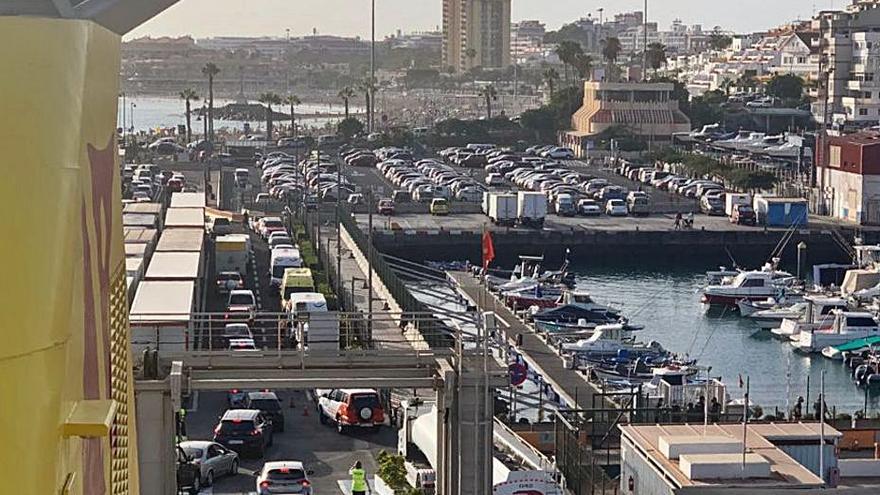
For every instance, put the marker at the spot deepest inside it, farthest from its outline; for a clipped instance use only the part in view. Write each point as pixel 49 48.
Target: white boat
pixel 716 277
pixel 753 285
pixel 605 340
pixel 847 326
pixel 772 318
pixel 818 315
pixel 748 308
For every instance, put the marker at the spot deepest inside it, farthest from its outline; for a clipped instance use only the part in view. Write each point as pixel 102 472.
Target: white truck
pixel 732 199
pixel 502 209
pixel 531 208
pixel 232 253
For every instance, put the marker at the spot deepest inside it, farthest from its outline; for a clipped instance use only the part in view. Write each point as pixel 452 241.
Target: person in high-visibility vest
pixel 359 484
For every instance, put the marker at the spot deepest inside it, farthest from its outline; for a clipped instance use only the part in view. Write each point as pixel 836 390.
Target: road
pixel 323 451
pixel 318 446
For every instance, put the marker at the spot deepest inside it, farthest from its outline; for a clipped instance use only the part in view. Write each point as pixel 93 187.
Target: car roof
pixel 241 291
pixel 196 444
pixel 262 395
pixel 359 390
pixel 233 414
pixel 283 464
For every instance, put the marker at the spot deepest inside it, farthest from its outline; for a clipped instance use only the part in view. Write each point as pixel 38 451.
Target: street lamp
pixel 133 106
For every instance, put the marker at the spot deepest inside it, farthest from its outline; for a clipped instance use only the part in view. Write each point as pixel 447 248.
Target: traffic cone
pixel 305 410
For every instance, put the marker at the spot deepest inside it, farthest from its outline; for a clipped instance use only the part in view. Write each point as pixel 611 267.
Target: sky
pixel 205 18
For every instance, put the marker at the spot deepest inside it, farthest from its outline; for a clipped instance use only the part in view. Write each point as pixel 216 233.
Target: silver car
pixel 214 460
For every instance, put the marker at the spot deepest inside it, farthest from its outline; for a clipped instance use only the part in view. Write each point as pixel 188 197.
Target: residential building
pixel 526 38
pixel 848 176
pixel 476 33
pixel 648 110
pixel 426 40
pixel 719 459
pixel 848 43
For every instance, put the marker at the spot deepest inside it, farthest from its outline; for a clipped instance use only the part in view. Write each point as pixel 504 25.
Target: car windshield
pixel 193 452
pixel 272 223
pixel 240 299
pixel 265 404
pixel 237 330
pixel 236 426
pixel 286 474
pixel 229 276
pixel 365 400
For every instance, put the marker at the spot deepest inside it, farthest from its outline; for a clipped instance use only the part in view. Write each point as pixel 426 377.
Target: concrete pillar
pixel 155 426
pixel 445 401
pixel 473 418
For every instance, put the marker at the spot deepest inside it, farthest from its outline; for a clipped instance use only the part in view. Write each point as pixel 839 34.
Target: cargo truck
pixel 502 208
pixel 231 254
pixel 531 208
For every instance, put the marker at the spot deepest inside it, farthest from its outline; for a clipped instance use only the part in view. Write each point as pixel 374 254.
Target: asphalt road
pixel 318 446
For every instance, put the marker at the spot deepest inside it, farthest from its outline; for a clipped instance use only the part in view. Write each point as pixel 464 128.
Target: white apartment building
pixel 862 100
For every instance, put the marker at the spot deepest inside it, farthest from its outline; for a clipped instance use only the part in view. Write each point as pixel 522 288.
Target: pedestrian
pixel 359 485
pixel 817 406
pixel 714 410
pixel 677 223
pixel 798 409
pixel 690 220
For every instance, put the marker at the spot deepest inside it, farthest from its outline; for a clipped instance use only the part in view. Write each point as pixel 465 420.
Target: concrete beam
pixel 337 374
pixel 311 383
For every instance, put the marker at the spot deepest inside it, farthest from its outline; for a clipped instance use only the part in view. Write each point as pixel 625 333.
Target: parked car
pixel 615 208
pixel 244 430
pixel 350 408
pixel 386 207
pixel 712 204
pixel 743 215
pixel 268 403
pixel 213 460
pixel 493 180
pixel 589 208
pixel 439 206
pixel 356 199
pixel 289 477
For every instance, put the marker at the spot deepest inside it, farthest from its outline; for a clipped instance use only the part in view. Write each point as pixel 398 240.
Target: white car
pixel 559 154
pixel 237 331
pixel 493 180
pixel 288 477
pixel 589 208
pixel 213 459
pixel 615 208
pixel 241 303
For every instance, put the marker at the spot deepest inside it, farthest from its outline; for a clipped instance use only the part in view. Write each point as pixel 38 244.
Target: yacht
pixel 749 285
pixel 818 314
pixel 607 340
pixel 767 319
pixel 847 326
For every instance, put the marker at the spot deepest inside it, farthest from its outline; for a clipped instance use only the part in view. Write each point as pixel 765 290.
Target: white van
pixel 306 302
pixel 281 260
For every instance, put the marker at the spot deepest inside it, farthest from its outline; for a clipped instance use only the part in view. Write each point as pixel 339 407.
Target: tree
pixel 611 49
pixel 210 70
pixel 367 87
pixel 541 121
pixel 786 86
pixel 747 80
pixel 568 51
pixel 718 41
pixel 350 127
pixel 726 85
pixel 293 101
pixel 751 181
pixel 471 54
pixel 490 94
pixel 655 56
pixel 551 75
pixel 269 99
pixel 584 65
pixel 189 95
pixel 346 94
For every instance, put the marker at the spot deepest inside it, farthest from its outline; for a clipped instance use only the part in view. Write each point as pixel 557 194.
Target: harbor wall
pixel 712 247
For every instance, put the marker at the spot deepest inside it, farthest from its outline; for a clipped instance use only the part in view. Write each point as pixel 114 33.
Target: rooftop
pixel 188 200
pixel 713 454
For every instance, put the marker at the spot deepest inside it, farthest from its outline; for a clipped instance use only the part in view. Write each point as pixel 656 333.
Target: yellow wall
pixel 64 328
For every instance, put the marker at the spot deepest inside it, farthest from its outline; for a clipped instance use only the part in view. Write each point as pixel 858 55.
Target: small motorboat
pixel 772 317
pixel 838 352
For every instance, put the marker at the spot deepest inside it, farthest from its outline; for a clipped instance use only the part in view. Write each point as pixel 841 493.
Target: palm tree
pixel 346 94
pixel 567 51
pixel 293 101
pixel 584 65
pixel 269 99
pixel 189 95
pixel 726 84
pixel 210 70
pixel 656 56
pixel 471 54
pixel 490 94
pixel 368 88
pixel 551 75
pixel 611 49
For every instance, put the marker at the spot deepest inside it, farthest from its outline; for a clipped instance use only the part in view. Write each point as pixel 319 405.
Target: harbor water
pixel 666 301
pixel 152 113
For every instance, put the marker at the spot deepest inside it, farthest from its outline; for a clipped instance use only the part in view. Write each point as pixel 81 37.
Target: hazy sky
pixel 203 18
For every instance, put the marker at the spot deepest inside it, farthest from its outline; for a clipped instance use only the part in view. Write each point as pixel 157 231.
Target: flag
pixel 740 381
pixel 488 249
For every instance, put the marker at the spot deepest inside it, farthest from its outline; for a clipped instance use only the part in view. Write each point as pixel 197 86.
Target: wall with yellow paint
pixel 63 315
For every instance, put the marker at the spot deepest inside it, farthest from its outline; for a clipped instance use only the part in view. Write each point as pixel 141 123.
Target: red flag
pixel 488 249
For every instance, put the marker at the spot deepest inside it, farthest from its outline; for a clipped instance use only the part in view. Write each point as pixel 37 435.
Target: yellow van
pixel 296 280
